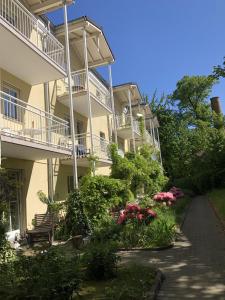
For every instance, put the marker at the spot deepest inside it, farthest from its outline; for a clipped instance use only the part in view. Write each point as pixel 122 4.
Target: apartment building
pixel 40 143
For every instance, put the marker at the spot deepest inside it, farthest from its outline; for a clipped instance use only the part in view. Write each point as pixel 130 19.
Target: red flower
pixel 151 213
pixel 140 217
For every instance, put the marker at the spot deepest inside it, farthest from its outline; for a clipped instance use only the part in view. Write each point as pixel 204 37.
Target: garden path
pixel 195 266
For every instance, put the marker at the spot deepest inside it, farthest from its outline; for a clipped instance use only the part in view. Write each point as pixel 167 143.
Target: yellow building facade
pixel 36 141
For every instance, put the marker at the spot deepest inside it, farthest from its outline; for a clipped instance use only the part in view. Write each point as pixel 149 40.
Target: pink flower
pixel 122 218
pixel 151 213
pixel 140 217
pixel 133 207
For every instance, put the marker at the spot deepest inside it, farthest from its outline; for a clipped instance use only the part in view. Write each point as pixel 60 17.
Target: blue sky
pixel 157 42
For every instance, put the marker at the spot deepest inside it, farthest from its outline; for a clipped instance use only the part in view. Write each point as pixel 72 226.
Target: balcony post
pixel 88 93
pixel 75 177
pixel 160 154
pixel 48 133
pixel 132 121
pixel 113 104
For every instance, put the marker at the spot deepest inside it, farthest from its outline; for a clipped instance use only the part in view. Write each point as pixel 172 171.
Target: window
pixel 10 101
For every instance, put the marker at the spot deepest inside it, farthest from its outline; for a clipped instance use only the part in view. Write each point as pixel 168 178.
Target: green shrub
pixel 101 260
pixel 100 194
pixel 76 220
pixel 49 275
pixel 107 230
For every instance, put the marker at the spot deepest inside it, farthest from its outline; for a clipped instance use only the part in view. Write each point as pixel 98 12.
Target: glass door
pixel 14 202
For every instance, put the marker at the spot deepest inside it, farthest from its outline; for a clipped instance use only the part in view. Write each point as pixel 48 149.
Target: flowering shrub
pixel 169 198
pixel 135 212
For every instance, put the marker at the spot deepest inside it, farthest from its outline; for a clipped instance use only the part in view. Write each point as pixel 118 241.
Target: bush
pixel 100 194
pixel 49 275
pixel 106 230
pixel 101 260
pixel 76 220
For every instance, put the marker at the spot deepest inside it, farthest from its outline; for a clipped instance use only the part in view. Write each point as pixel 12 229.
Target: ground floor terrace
pixel 31 177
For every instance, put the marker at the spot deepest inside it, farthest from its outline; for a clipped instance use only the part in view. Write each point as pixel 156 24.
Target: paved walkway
pixel 195 267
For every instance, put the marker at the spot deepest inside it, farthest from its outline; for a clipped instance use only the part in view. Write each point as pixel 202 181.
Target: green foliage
pixel 49 275
pixel 76 220
pixel 217 197
pixel 101 260
pixel 133 282
pixel 192 136
pixel 141 124
pixel 191 94
pixel 141 172
pixel 100 194
pixel 53 207
pixel 8 189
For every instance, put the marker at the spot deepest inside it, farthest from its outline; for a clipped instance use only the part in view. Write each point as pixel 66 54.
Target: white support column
pixel 88 93
pixel 113 103
pixel 49 160
pixel 160 153
pixel 75 177
pixel 132 121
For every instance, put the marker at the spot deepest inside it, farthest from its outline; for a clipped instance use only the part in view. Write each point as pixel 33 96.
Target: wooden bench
pixel 43 229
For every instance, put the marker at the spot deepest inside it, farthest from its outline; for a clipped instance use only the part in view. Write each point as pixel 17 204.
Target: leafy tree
pixel 191 96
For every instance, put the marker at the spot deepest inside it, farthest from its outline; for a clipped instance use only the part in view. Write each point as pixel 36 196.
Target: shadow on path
pixel 195 267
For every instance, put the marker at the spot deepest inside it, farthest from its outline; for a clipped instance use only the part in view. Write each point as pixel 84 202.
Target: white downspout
pixel 75 177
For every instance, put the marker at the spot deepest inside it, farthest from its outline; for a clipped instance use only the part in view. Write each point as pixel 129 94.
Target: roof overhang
pixel 40 7
pixel 121 93
pixel 99 52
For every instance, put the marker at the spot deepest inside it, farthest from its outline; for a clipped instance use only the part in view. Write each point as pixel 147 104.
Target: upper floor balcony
pixel 28 49
pixel 84 143
pixel 124 127
pixel 30 133
pixel 101 104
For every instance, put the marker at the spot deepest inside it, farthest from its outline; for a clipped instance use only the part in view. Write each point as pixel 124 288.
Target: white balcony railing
pixel 20 120
pixel 97 90
pixel 100 146
pixel 18 17
pixel 124 121
pixel 148 138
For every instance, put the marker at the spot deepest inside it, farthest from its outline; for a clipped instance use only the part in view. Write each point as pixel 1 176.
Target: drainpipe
pixel 75 177
pixel 49 160
pixel 131 119
pixel 88 93
pixel 113 103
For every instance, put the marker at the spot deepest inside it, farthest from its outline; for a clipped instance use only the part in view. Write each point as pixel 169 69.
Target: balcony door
pixel 14 203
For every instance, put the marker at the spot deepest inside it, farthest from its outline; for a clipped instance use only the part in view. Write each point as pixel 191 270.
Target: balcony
pixel 28 50
pixel 124 127
pixel 30 133
pixel 83 151
pixel 100 96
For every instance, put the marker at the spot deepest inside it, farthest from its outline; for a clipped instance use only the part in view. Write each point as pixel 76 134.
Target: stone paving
pixel 195 267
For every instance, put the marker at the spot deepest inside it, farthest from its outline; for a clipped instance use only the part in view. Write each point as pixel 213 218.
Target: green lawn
pixel 217 197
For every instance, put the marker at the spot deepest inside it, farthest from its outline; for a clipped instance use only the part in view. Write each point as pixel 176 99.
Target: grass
pixel 132 282
pixel 217 198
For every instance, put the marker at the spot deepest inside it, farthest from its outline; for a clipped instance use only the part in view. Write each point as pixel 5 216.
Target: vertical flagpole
pixel 113 103
pixel 131 119
pixel 75 177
